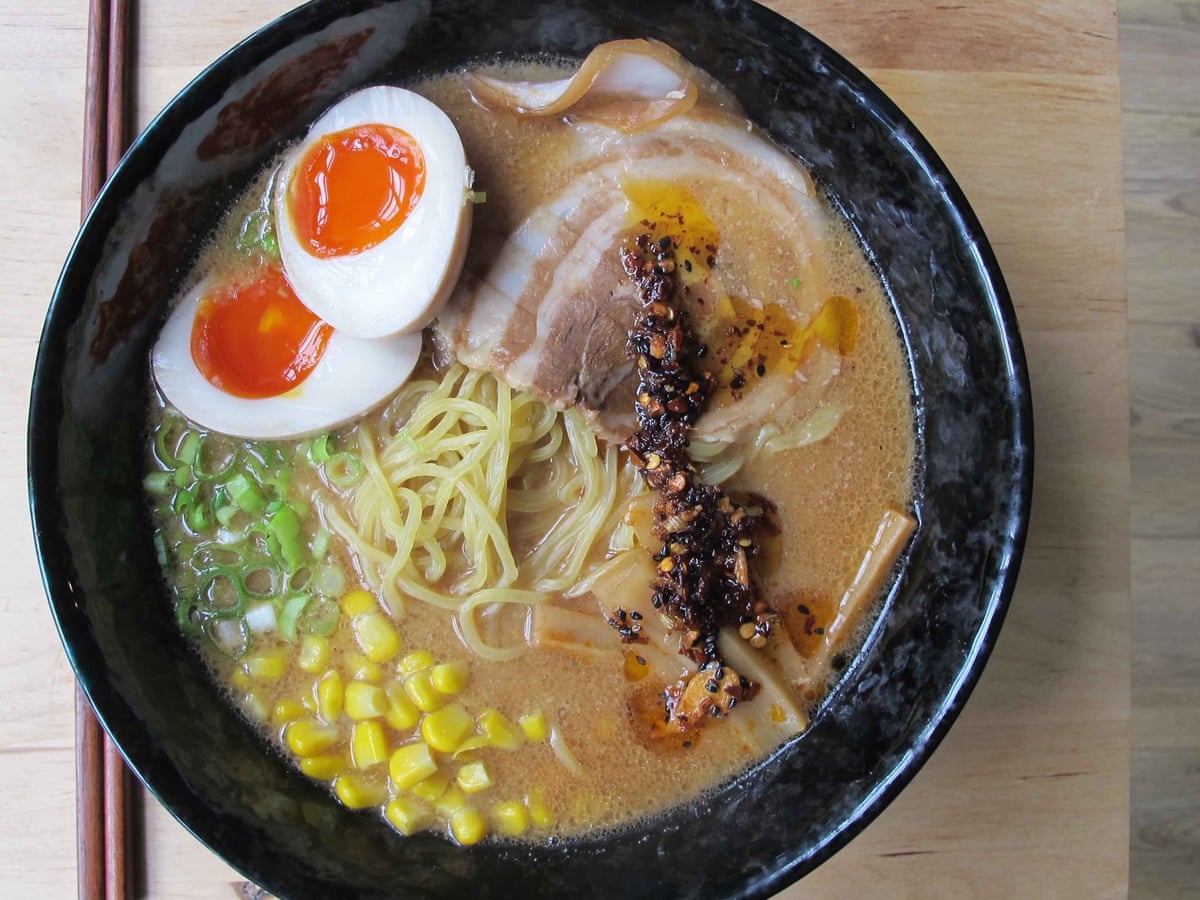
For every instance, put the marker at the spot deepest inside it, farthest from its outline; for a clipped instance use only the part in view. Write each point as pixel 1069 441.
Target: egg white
pixel 352 376
pixel 399 285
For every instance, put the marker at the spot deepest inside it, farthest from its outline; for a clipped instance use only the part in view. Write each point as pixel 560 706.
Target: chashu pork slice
pixel 552 312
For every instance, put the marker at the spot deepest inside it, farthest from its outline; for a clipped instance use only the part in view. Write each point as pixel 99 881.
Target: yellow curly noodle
pixel 454 506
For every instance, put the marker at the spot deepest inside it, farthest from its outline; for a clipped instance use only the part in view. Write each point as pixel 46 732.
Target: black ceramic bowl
pixel 755 835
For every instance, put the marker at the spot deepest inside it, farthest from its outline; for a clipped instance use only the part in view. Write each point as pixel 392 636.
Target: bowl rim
pixel 119 720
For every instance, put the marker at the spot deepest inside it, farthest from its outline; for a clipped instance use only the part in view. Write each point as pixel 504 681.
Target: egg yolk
pixel 354 188
pixel 256 339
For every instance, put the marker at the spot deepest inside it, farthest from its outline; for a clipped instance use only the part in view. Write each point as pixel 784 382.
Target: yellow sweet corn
pixel 314 653
pixel 402 714
pixel 510 818
pixel 376 636
pixel 365 701
pixel 309 737
pixel 408 816
pixel 267 665
pixel 420 689
pixel 358 792
pixel 410 764
pixel 534 726
pixel 452 799
pixel 359 668
pixel 240 681
pixel 287 709
pixel 331 696
pixel 357 603
pixel 446 728
pixel 468 825
pixel 368 744
pixel 473 777
pixel 325 767
pixel 432 788
pixel 539 812
pixel 474 742
pixel 416 661
pixel 499 731
pixel 451 677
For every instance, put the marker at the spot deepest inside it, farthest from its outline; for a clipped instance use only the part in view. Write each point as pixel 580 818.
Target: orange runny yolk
pixel 256 339
pixel 354 188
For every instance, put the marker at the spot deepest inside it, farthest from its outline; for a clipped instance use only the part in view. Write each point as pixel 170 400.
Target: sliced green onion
pixel 183 500
pixel 245 494
pixel 187 615
pixel 412 442
pixel 162 435
pixel 320 451
pixel 329 581
pixel 229 635
pixel 158 483
pixel 284 526
pixel 160 549
pixel 189 450
pixel 290 616
pixel 320 544
pixel 260 617
pixel 183 476
pixel 199 517
pixel 344 470
pixel 322 618
pixel 224 594
pixel 226 514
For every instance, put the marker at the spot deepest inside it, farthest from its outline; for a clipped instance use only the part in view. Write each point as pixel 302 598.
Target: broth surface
pixel 829 496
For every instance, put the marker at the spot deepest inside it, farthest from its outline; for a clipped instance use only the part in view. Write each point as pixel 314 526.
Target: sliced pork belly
pixel 552 311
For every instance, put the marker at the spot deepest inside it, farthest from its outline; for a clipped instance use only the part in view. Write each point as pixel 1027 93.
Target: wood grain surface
pixel 1160 67
pixel 1029 794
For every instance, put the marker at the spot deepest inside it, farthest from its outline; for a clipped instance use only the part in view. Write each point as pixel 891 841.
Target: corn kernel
pixel 468 825
pixel 446 728
pixel 402 714
pixel 308 737
pixel 314 653
pixel 416 661
pixel 267 665
pixel 287 709
pixel 240 681
pixel 453 799
pixel 408 816
pixel 368 745
pixel 377 637
pixel 410 764
pixel 473 777
pixel 510 818
pixel 365 701
pixel 451 678
pixel 539 812
pixel 357 603
pixel 325 767
pixel 499 731
pixel 420 689
pixel 474 742
pixel 357 792
pixel 359 668
pixel 534 726
pixel 432 788
pixel 331 696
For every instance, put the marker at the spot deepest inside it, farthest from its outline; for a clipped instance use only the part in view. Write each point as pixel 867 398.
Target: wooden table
pixel 1028 796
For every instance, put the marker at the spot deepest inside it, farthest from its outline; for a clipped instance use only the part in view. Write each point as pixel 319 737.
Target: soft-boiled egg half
pixel 249 360
pixel 372 212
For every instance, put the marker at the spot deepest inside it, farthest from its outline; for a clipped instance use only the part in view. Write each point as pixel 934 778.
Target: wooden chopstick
pixel 102 783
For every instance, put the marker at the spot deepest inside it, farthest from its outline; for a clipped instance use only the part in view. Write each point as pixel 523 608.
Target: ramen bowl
pixel 764 829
